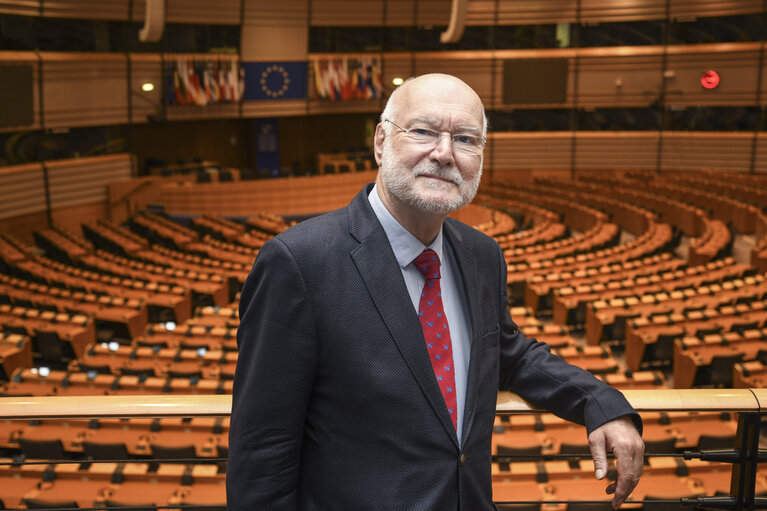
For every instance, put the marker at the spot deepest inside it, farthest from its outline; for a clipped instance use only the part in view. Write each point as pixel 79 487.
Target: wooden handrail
pixel 144 406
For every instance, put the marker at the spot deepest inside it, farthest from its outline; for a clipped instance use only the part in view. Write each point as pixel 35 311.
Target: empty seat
pixel 94 368
pixel 42 449
pixel 575 449
pixel 712 442
pixel 663 446
pixel 45 504
pixel 589 506
pixel 719 373
pixel 526 453
pixel 105 451
pixel 51 348
pixel 132 507
pixel 187 374
pixel 169 453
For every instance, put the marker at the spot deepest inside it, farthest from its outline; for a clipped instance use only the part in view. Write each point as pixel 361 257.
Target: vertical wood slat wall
pixel 727 152
pixel 398 12
pixel 103 100
pixel 91 89
pixel 72 182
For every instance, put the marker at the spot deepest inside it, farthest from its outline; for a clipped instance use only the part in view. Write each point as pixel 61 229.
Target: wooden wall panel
pixel 550 150
pixel 225 141
pixel 350 106
pixel 763 97
pixel 23 190
pixel 274 31
pixel 719 151
pixel 522 12
pixel 145 68
pixel 738 70
pixel 761 153
pixel 20 7
pixel 596 150
pixel 285 12
pixel 293 196
pixel 84 180
pixel 21 226
pixel 220 12
pixel 282 108
pixel 194 112
pixel 343 13
pixel 70 218
pixel 418 12
pixel 391 12
pixel 85 90
pixel 681 151
pixel 396 65
pixel 139 10
pixel 618 81
pixel 601 11
pixel 472 67
pixel 690 9
pixel 116 10
pixel 30 58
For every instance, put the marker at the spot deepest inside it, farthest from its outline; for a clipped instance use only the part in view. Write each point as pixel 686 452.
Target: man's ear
pixel 378 143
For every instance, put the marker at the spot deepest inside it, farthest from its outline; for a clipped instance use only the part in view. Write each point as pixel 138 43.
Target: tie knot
pixel 428 264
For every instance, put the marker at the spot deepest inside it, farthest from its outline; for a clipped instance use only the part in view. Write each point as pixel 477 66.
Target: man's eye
pixel 422 132
pixel 465 139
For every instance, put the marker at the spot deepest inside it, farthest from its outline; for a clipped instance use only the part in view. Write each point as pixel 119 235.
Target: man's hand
pixel 621 437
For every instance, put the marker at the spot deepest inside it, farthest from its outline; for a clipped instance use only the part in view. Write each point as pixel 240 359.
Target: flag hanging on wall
pixel 204 82
pixel 343 78
pixel 275 80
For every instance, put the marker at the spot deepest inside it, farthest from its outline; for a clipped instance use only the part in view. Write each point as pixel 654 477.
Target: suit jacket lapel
pixel 379 270
pixel 468 268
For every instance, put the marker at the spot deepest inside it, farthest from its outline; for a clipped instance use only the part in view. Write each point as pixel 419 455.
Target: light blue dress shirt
pixel 406 248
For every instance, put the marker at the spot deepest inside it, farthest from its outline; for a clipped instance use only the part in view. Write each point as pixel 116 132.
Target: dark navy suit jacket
pixel 335 401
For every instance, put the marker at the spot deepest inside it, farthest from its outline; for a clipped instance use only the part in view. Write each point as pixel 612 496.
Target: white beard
pixel 401 182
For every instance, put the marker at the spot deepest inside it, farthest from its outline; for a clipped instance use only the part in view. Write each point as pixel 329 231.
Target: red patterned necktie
pixel 435 329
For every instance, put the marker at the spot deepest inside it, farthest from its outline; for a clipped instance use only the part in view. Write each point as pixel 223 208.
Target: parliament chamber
pixel 626 190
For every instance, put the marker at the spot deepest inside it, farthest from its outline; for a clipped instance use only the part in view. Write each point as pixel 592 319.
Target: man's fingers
pixel 598 453
pixel 628 459
pixel 621 437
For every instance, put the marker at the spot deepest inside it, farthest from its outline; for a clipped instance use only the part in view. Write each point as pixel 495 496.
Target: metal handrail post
pixel 743 483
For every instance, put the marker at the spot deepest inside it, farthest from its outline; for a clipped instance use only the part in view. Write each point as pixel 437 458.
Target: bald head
pixel 433 90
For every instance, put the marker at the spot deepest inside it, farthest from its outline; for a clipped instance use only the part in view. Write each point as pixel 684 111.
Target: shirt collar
pixel 406 247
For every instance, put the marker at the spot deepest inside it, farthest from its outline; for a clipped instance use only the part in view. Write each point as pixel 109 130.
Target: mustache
pixel 434 170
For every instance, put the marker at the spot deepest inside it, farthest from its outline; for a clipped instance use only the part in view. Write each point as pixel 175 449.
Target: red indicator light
pixel 709 79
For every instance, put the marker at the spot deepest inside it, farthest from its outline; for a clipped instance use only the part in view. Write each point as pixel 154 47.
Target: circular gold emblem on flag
pixel 275 81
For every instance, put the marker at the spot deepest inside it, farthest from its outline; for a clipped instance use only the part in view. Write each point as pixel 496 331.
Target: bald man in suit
pixel 340 399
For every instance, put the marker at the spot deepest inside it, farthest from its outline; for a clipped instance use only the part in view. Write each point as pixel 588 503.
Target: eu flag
pixel 275 80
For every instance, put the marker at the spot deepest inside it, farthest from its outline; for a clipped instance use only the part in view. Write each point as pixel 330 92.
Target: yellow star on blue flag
pixel 275 80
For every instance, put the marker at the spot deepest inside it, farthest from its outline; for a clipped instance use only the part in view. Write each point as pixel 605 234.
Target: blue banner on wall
pixel 268 145
pixel 275 80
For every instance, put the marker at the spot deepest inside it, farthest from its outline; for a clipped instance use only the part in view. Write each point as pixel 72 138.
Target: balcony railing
pixel 744 456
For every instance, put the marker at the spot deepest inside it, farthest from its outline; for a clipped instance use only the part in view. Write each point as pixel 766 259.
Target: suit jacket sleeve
pixel 275 372
pixel 528 368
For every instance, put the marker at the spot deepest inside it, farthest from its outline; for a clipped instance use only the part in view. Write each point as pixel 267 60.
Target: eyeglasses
pixel 462 142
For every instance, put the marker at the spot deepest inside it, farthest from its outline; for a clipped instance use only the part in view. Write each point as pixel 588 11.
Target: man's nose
pixel 443 151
